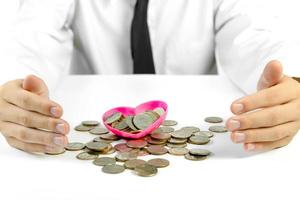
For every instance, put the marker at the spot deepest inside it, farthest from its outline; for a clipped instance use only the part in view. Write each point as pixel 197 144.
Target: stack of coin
pixel 134 123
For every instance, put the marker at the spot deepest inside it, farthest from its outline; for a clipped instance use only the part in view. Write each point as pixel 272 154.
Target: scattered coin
pixel 204 133
pixel 137 144
pixel 86 156
pixel 97 146
pixel 58 152
pixel 122 147
pixel 159 162
pixel 177 141
pixel 75 146
pixel 90 123
pixel 157 150
pixel 131 164
pixel 145 170
pixel 161 136
pixel 164 129
pixel 178 151
pixel 98 139
pixel 155 142
pixel 194 158
pixel 213 119
pixel 113 169
pixel 181 134
pixel 102 161
pixel 124 156
pixel 218 129
pixel 199 140
pixel 109 136
pixel 199 152
pixel 169 123
pixel 83 128
pixel 171 145
pixel 192 129
pixel 98 131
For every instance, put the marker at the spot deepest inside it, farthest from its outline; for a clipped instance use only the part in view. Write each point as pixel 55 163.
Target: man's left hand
pixel 270 118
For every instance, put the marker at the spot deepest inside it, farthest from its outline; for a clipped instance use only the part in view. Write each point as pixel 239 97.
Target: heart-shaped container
pixel 151 105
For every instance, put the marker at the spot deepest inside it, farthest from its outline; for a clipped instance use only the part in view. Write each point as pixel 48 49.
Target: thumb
pixel 36 85
pixel 271 76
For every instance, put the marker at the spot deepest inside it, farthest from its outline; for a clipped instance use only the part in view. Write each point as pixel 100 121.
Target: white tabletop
pixel 229 174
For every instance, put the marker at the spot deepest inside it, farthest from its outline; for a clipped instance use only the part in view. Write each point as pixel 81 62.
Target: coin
pixel 98 131
pixel 192 129
pixel 75 146
pixel 98 139
pixel 137 144
pixel 213 119
pixel 142 121
pixel 169 123
pixel 204 133
pixel 109 136
pixel 199 140
pixel 178 151
pixel 161 136
pixel 102 161
pixel 164 129
pixel 97 146
pixel 131 164
pixel 86 156
pixel 159 162
pixel 177 141
pixel 145 170
pixel 124 156
pixel 122 147
pixel 171 145
pixel 113 169
pixel 194 158
pixel 90 123
pixel 199 152
pixel 157 150
pixel 156 142
pixel 120 125
pixel 83 128
pixel 129 122
pixel 143 152
pixel 181 134
pixel 218 129
pixel 160 111
pixel 57 152
pixel 113 118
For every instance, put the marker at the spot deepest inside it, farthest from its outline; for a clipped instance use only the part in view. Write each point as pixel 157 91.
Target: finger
pixel 266 146
pixel 32 148
pixel 30 101
pixel 266 134
pixel 271 76
pixel 34 136
pixel 11 113
pixel 265 117
pixel 35 85
pixel 285 92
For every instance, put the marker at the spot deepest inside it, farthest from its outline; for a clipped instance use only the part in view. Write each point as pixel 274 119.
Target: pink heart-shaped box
pixel 151 105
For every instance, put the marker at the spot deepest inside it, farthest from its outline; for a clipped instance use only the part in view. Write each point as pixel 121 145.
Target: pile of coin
pixel 134 123
pixel 129 153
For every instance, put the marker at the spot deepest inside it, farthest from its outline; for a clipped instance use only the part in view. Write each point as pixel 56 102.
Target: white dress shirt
pixel 53 38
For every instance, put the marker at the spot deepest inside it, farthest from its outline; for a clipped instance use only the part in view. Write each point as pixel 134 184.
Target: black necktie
pixel 140 40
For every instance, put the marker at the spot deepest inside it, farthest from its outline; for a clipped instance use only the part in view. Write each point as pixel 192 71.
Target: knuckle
pixel 25 100
pixel 23 135
pixel 24 119
pixel 49 123
pixel 273 118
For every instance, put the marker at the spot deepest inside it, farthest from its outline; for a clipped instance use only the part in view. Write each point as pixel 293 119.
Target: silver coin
pixel 98 131
pixel 218 129
pixel 75 146
pixel 194 158
pixel 86 156
pixel 102 161
pixel 113 169
pixel 169 123
pixel 199 140
pixel 199 152
pixel 213 119
pixel 204 133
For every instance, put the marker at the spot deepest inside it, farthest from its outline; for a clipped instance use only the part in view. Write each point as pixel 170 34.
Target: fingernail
pixel 237 108
pixel 54 111
pixel 233 124
pixel 239 137
pixel 60 128
pixel 59 141
pixel 250 147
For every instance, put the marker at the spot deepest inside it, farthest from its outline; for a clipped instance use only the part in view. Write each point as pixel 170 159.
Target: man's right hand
pixel 28 119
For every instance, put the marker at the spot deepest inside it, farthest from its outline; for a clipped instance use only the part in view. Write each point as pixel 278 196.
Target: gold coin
pixel 159 162
pixel 137 144
pixel 160 136
pixel 131 164
pixel 122 147
pixel 178 151
pixel 145 170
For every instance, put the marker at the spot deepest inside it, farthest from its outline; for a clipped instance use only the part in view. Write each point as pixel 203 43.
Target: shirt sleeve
pixel 41 41
pixel 248 36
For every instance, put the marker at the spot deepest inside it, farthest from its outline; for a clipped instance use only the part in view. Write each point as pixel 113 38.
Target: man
pixel 55 37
